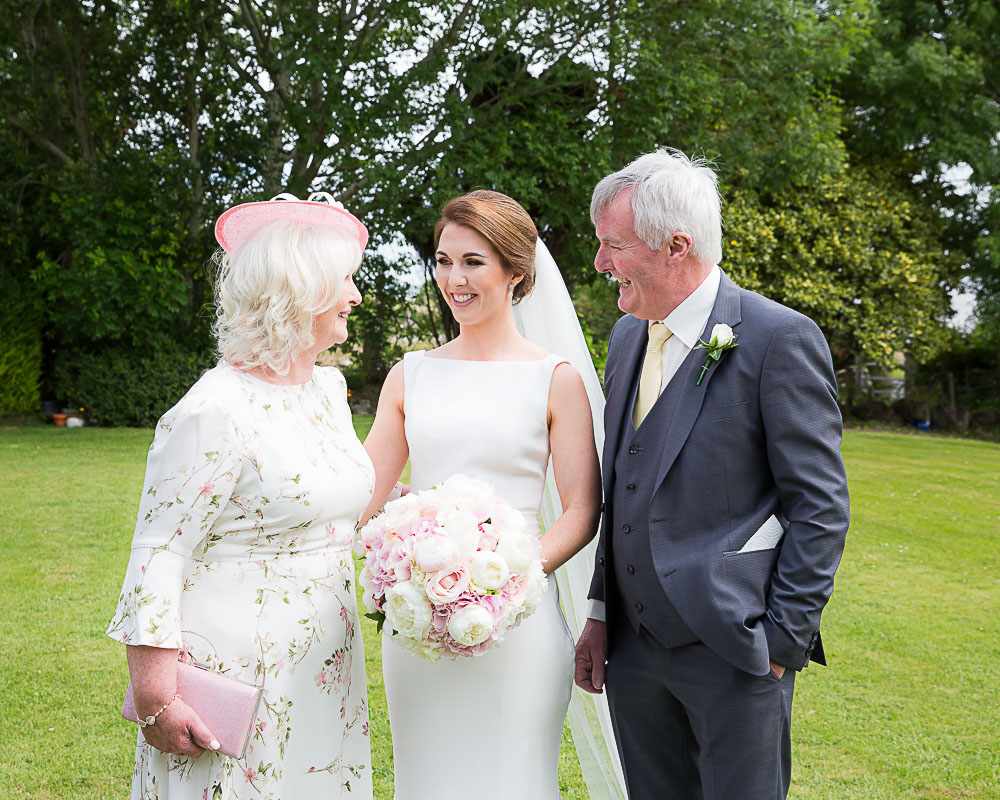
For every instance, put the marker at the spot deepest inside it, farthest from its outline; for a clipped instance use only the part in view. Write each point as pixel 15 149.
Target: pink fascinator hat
pixel 239 223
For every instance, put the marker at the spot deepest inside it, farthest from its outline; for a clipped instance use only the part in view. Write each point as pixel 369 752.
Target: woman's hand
pixel 179 730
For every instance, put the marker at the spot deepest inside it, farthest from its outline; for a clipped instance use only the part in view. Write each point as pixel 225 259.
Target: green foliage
pixel 20 329
pixel 101 214
pixel 597 308
pixel 125 129
pixel 384 326
pixel 122 273
pixel 526 132
pixel 974 365
pixel 922 102
pixel 354 376
pixel 123 386
pixel 857 257
pixel 20 360
pixel 748 83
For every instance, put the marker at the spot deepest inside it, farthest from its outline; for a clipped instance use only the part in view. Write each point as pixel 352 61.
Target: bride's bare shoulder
pixel 447 350
pixel 532 352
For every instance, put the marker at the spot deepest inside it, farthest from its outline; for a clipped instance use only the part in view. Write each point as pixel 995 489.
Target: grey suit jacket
pixel 761 435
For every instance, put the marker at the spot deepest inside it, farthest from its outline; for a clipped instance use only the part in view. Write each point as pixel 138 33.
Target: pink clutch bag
pixel 226 705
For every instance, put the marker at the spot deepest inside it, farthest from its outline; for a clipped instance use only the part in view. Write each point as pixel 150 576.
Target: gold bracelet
pixel 151 719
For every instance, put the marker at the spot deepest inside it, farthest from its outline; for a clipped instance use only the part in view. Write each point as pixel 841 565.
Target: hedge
pixel 124 388
pixel 20 360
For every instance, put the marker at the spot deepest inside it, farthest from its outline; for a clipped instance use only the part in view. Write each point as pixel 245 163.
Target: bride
pixel 495 406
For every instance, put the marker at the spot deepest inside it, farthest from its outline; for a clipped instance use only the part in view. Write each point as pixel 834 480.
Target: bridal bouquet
pixel 450 569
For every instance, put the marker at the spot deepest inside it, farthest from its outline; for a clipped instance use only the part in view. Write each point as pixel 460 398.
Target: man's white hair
pixel 269 290
pixel 670 193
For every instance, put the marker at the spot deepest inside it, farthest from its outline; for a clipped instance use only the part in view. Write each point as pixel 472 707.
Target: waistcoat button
pixel 630 569
pixel 626 528
pixel 638 607
pixel 634 449
pixel 631 487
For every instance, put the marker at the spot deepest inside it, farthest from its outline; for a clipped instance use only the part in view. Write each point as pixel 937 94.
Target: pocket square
pixel 766 538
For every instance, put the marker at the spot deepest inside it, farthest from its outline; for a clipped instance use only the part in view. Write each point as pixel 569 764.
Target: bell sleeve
pixel 191 470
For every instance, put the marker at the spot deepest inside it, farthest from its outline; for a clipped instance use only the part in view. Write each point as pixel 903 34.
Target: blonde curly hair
pixel 269 290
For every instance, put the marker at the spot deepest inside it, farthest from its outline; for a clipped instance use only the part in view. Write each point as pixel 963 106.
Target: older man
pixel 726 499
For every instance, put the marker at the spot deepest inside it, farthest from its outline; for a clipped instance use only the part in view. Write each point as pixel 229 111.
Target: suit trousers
pixel 691 726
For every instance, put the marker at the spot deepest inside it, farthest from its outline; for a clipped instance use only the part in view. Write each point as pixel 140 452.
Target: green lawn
pixel 908 708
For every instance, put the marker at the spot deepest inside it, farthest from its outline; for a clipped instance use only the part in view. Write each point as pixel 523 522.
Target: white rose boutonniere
pixel 722 339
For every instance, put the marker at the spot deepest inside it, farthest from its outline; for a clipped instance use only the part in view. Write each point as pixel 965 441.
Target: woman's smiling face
pixel 330 326
pixel 471 276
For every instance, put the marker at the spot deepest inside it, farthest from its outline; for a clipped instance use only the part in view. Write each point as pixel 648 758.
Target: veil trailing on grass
pixel 547 318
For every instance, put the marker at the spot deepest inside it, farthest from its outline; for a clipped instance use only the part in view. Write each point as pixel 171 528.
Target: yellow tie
pixel 652 372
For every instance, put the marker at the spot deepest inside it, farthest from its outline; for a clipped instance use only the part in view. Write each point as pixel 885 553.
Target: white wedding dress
pixel 489 726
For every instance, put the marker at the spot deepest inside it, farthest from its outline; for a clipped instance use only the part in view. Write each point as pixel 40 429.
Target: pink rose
pixel 446 585
pixel 401 515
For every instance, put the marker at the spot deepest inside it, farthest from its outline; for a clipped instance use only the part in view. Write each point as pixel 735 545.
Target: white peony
pixel 519 550
pixel 401 514
pixel 467 489
pixel 367 599
pixel 488 570
pixel 407 610
pixel 722 334
pixel 470 625
pixel 512 613
pixel 508 519
pixel 535 588
pixel 425 648
pixel 434 552
pixel 462 528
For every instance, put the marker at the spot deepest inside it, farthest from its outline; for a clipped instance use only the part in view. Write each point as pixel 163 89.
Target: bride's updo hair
pixel 504 223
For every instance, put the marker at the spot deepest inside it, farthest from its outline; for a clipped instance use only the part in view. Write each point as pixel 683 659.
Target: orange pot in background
pixel 59 420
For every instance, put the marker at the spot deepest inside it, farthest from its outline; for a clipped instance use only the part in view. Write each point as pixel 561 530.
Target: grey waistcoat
pixel 641 596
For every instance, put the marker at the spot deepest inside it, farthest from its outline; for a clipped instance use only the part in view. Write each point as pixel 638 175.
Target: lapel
pixel 628 363
pixel 726 310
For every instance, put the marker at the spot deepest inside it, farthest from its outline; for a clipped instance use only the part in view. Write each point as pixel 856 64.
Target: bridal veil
pixel 547 318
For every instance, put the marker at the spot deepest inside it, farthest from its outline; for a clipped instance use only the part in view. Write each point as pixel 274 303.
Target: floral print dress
pixel 242 557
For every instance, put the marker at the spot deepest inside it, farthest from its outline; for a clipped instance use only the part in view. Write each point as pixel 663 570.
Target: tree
pixel 858 257
pixel 747 83
pixel 140 122
pixel 922 103
pixel 108 259
pixel 127 129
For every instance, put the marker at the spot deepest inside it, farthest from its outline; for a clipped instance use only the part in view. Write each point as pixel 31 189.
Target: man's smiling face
pixel 641 271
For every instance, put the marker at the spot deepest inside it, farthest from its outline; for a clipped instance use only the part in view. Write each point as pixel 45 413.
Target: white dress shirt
pixel 687 323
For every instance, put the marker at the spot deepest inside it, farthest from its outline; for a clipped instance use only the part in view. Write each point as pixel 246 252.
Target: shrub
pixel 121 387
pixel 20 359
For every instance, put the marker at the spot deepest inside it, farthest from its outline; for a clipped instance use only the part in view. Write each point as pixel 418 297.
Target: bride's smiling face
pixel 471 276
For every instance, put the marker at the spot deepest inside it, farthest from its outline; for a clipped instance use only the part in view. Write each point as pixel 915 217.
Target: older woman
pixel 241 556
